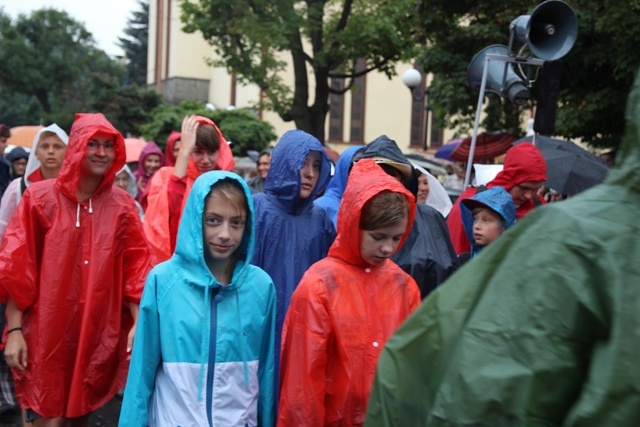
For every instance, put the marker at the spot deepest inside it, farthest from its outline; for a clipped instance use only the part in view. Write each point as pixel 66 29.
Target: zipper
pixel 217 297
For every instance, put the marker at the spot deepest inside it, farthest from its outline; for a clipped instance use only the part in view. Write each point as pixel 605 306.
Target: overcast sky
pixel 105 19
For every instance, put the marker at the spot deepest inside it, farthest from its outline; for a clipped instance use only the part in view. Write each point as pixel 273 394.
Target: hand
pixel 15 352
pixel 188 138
pixel 132 333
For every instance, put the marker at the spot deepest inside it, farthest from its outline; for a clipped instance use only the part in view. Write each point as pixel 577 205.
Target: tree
pixel 51 58
pixel 323 38
pixel 44 54
pixel 134 44
pixel 239 125
pixel 597 73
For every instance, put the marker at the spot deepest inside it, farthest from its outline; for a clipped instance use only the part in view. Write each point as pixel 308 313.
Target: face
pixel 99 155
pixel 423 189
pixel 378 245
pixel 204 159
pixel 152 163
pixel 309 173
pixel 176 149
pixel 525 191
pixel 264 162
pixel 487 226
pixel 223 227
pixel 122 180
pixel 19 165
pixel 50 152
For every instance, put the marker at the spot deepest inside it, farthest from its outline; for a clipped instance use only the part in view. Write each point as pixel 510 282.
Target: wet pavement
pixel 107 416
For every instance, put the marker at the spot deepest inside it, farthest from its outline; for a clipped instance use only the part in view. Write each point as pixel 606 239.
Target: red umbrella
pixel 134 147
pixel 488 146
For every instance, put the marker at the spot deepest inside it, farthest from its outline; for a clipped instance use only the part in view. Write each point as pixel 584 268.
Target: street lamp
pixel 412 78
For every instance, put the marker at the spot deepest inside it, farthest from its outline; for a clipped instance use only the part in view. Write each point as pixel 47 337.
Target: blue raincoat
pixel 291 234
pixel 330 200
pixel 203 353
pixel 495 198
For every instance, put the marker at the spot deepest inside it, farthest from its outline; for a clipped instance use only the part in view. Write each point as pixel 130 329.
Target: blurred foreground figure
pixel 542 328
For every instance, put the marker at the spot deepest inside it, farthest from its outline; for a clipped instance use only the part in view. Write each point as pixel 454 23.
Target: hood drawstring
pixel 78 213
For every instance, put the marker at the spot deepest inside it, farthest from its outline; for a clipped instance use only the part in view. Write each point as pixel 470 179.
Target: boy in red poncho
pixel 202 149
pixel 72 267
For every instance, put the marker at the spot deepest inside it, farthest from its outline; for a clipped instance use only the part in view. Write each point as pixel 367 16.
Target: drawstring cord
pixel 78 213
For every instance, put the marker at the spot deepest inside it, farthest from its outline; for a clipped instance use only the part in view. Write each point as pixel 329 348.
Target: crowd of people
pixel 295 298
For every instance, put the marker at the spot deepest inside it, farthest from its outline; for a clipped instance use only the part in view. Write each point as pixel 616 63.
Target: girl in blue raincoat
pixel 292 233
pixel 204 346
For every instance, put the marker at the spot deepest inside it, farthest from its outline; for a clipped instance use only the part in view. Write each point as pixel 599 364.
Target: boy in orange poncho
pixel 202 149
pixel 347 306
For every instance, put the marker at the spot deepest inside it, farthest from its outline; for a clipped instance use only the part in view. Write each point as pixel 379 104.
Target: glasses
pixel 95 145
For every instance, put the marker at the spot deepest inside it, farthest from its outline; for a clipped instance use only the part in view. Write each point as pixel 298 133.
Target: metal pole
pixel 472 148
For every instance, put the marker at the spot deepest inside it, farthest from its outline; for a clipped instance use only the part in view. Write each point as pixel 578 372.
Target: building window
pixel 358 98
pixel 336 112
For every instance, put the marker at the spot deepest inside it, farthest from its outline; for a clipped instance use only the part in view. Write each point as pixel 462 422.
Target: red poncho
pixel 72 268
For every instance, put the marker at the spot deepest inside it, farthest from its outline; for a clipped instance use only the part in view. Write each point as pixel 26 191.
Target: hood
pixel 132 187
pixel 17 153
pixel 338 181
pixel 283 180
pixel 496 198
pixel 33 163
pixel 523 162
pixel 225 155
pixel 438 197
pixel 626 171
pixel 385 150
pixel 85 126
pixel 365 181
pixel 169 158
pixel 189 244
pixel 150 148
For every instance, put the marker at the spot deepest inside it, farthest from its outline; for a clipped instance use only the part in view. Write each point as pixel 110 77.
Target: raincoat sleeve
pixel 505 342
pixel 156 219
pixel 19 254
pixel 266 368
pixel 304 357
pixel 137 256
pixel 145 358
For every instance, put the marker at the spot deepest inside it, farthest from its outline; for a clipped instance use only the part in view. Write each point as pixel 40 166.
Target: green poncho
pixel 541 329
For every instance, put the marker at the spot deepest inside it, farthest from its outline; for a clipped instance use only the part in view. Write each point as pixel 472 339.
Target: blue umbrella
pixel 444 152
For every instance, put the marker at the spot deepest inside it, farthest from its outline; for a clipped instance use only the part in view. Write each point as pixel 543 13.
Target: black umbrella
pixel 570 168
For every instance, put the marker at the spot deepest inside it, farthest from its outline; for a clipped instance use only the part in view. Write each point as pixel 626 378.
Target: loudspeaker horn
pixel 501 79
pixel 550 31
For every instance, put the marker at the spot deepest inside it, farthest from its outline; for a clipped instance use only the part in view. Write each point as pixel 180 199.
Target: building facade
pixel 179 70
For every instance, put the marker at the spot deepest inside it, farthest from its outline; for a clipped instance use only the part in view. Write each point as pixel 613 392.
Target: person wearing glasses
pixel 72 267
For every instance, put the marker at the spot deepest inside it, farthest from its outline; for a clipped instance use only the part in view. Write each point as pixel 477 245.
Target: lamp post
pixel 412 78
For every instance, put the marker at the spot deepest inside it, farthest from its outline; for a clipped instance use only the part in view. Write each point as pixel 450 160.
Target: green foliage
pixel 50 69
pixel 240 125
pixel 324 38
pixel 134 44
pixel 597 73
